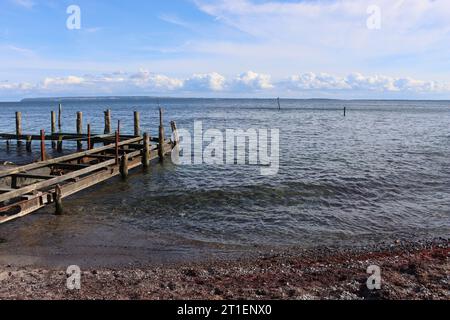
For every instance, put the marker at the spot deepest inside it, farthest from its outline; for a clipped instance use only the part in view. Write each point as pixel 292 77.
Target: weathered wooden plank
pixel 70 157
pixel 100 156
pixel 54 181
pixel 61 179
pixel 22 208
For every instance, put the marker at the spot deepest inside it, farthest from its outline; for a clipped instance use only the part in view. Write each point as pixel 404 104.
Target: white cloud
pixel 253 80
pixel 211 81
pixel 359 82
pixel 249 83
pixel 146 79
pixel 64 81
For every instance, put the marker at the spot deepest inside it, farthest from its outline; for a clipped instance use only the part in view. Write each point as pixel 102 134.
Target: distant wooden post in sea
pixel 345 111
pixel 279 105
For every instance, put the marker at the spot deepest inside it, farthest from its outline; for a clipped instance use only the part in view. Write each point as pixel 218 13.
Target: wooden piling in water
pixel 176 138
pixel 60 144
pixel 28 144
pixel 79 129
pixel 124 166
pixel 146 151
pixel 43 145
pixel 58 201
pixel 53 127
pixel 117 148
pixel 137 126
pixel 107 122
pixel 18 127
pixel 59 117
pixel 161 136
pixel 345 111
pixel 89 145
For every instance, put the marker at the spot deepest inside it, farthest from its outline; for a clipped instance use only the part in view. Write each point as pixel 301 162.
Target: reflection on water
pixel 382 172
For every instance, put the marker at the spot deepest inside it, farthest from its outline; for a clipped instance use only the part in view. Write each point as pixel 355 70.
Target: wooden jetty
pixel 36 185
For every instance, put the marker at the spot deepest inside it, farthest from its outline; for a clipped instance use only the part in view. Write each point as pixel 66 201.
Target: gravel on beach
pixel 408 271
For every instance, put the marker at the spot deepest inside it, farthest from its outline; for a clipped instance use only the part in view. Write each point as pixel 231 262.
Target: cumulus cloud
pixel 146 79
pixel 360 82
pixel 253 80
pixel 249 83
pixel 62 81
pixel 211 81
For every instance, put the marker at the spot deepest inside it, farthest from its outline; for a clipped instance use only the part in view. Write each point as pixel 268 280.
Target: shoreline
pixel 409 270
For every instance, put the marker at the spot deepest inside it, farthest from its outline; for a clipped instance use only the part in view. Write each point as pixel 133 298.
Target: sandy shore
pixel 408 270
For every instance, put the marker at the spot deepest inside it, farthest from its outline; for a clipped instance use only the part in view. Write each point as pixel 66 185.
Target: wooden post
pixel 118 128
pixel 117 148
pixel 59 117
pixel 124 166
pixel 161 136
pixel 14 184
pixel 58 200
pixel 28 145
pixel 345 111
pixel 137 126
pixel 146 151
pixel 60 144
pixel 18 127
pixel 7 144
pixel 175 133
pixel 53 127
pixel 89 146
pixel 107 122
pixel 79 130
pixel 43 145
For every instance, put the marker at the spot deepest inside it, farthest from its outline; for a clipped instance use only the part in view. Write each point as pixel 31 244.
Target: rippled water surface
pixel 381 172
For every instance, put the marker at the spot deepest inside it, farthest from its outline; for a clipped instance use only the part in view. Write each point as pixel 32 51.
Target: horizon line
pixel 63 98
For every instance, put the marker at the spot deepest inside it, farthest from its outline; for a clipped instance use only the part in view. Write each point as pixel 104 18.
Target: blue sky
pixel 226 48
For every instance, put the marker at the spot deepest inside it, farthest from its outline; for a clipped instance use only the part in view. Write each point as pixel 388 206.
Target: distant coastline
pixel 112 98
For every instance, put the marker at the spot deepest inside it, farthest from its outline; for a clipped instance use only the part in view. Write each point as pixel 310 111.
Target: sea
pixel 378 174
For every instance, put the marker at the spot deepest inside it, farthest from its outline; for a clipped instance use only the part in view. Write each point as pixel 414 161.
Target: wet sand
pixel 419 270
